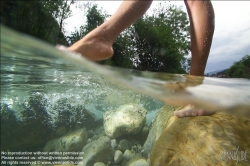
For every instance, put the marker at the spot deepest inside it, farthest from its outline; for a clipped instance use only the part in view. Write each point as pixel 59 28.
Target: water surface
pixel 43 81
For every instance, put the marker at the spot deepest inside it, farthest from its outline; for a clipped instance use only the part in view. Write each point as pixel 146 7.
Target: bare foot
pixel 94 46
pixel 190 110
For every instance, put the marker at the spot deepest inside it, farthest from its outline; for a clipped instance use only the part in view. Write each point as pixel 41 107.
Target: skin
pixel 97 45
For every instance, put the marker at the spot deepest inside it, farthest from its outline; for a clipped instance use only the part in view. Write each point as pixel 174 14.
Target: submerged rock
pixel 26 124
pixel 145 130
pixel 113 143
pixel 73 141
pixel 61 131
pixel 118 156
pixel 124 145
pixel 156 128
pixel 140 162
pixel 137 160
pixel 202 140
pixel 98 151
pixel 128 119
pixel 91 133
pixel 128 155
pixel 99 164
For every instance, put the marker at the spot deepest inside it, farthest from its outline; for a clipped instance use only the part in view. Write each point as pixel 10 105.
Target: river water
pixel 39 78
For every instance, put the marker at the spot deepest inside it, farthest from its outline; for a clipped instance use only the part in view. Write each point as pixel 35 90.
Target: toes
pixel 182 114
pixel 179 114
pixel 201 112
pixel 194 113
pixel 188 113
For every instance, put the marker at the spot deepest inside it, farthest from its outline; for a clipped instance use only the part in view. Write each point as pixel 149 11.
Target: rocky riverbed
pixel 125 139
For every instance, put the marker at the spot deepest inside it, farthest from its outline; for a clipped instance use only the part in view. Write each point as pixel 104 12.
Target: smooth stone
pixel 145 130
pixel 73 141
pixel 99 130
pixel 126 157
pixel 137 160
pixel 128 154
pixel 124 145
pixel 202 140
pixel 118 156
pixel 156 128
pixel 91 133
pixel 113 143
pixel 61 131
pixel 99 164
pixel 140 162
pixel 127 119
pixel 89 140
pixel 99 150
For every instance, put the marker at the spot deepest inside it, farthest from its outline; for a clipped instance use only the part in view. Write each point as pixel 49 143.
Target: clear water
pixel 35 76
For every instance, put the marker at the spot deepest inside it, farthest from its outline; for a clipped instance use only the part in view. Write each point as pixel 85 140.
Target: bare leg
pixel 201 15
pixel 97 45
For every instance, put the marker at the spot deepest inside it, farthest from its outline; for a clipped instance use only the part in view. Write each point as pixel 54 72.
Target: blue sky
pixel 232 29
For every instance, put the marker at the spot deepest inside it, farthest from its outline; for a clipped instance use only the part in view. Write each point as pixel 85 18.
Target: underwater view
pixel 58 108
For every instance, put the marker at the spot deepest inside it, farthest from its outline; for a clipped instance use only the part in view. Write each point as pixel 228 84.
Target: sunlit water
pixel 33 71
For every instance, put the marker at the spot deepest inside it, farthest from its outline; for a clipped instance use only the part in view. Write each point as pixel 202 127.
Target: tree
pixel 240 69
pixel 123 52
pixel 94 17
pixel 36 18
pixel 246 61
pixel 59 9
pixel 156 43
pixel 162 40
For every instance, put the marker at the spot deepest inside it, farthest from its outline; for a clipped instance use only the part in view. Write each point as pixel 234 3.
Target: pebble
pixel 113 143
pixel 124 145
pixel 140 162
pixel 89 140
pixel 99 164
pixel 118 156
pixel 127 154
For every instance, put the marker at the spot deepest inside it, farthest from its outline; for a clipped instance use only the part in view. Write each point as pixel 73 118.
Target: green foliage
pixel 37 18
pixel 156 43
pixel 94 17
pixel 122 52
pixel 240 69
pixel 161 40
pixel 246 61
pixel 59 9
